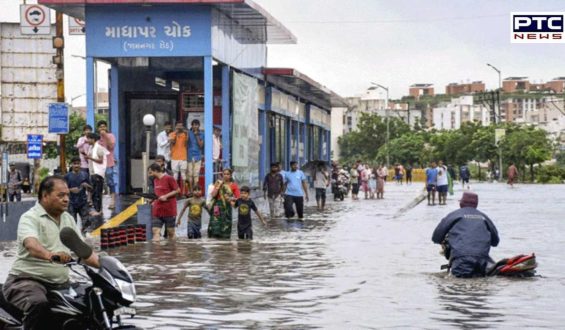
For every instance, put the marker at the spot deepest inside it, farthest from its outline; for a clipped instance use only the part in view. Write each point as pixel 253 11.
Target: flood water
pixel 361 264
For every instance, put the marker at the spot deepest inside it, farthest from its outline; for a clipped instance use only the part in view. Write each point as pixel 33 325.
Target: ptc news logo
pixel 537 27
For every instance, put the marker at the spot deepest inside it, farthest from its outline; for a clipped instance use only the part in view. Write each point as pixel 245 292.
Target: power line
pixel 425 20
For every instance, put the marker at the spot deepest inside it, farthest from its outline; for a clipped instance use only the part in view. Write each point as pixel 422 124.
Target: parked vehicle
pixel 98 304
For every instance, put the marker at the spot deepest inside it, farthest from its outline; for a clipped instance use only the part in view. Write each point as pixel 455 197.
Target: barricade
pixel 122 236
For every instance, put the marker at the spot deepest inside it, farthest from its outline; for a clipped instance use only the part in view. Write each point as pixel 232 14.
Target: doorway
pixel 164 107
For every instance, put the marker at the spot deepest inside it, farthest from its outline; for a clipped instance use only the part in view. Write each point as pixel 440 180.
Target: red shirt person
pixel 164 208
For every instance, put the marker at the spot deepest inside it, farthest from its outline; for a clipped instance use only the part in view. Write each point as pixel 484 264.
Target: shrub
pixel 550 174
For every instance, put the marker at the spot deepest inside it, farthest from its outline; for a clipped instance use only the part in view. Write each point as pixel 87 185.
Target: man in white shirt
pixel 163 143
pixel 321 182
pixel 97 161
pixel 442 183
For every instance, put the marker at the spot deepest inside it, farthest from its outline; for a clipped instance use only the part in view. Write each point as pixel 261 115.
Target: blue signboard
pixel 131 31
pixel 58 118
pixel 34 146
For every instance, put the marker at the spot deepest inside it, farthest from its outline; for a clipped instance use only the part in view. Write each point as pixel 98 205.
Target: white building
pixel 551 118
pixel 374 102
pixel 460 110
pixel 338 129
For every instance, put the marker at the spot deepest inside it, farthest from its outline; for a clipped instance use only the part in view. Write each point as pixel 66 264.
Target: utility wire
pixel 424 20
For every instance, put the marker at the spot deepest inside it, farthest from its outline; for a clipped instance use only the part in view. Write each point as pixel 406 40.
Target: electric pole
pixel 58 44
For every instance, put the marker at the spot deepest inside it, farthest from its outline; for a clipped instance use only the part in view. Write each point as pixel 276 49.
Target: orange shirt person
pixel 178 139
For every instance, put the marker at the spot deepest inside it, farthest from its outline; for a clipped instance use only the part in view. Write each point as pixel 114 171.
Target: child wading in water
pixel 195 205
pixel 244 206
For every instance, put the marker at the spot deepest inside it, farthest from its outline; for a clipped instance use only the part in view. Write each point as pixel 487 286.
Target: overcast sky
pixel 346 44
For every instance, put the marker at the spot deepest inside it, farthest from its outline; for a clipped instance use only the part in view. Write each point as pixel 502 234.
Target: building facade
pixel 418 90
pixel 451 115
pixel 470 88
pixel 192 59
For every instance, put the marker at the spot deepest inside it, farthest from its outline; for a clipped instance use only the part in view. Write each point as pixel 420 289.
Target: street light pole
pixel 387 122
pixel 148 121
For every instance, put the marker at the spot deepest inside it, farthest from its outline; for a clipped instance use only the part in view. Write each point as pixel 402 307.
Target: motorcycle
pixel 522 265
pixel 339 190
pixel 95 305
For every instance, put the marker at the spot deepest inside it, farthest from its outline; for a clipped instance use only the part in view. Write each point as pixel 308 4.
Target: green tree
pixel 370 135
pixel 482 147
pixel 410 148
pixel 526 147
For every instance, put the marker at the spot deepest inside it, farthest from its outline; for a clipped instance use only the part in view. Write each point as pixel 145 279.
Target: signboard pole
pixel 60 86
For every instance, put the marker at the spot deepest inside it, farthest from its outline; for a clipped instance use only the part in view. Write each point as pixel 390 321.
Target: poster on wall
pixel 245 130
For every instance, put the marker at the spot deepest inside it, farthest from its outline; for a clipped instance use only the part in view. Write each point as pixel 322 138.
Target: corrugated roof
pixel 303 86
pixel 246 12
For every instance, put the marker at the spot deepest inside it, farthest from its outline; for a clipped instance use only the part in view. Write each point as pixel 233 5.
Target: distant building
pixel 459 110
pixel 522 84
pixel 519 110
pixel 338 118
pixel 418 90
pixel 373 103
pixel 102 107
pixel 470 88
pixel 514 84
pixel 557 85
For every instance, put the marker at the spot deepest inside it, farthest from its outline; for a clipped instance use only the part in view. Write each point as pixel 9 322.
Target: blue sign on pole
pixel 58 118
pixel 34 146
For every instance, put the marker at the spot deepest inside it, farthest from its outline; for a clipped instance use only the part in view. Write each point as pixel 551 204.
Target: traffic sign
pixel 58 118
pixel 76 26
pixel 35 19
pixel 34 146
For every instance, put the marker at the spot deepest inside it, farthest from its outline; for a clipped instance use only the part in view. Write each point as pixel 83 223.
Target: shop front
pixel 205 60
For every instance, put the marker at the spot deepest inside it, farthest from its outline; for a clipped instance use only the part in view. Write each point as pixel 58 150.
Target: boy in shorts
pixel 244 206
pixel 164 208
pixel 195 205
pixel 431 183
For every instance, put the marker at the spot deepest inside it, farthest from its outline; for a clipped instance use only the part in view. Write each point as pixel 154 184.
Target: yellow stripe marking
pixel 120 217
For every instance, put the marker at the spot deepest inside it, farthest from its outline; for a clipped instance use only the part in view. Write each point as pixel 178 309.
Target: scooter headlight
pixel 127 290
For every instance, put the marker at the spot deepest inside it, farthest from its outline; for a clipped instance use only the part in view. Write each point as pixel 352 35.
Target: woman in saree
pixel 224 192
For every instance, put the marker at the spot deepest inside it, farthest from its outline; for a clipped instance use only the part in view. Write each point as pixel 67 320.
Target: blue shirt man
pixel 431 175
pixel 295 190
pixel 431 183
pixel 194 148
pixel 293 181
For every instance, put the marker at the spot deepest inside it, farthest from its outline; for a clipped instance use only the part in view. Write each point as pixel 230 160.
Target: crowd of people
pixel 466 234
pixel 370 180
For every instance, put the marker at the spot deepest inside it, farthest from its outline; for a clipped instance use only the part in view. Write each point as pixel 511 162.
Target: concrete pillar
pixel 208 121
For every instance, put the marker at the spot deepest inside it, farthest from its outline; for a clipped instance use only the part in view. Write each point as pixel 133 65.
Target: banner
pixel 245 130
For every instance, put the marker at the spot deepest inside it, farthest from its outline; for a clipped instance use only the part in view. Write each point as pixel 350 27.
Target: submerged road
pixel 360 264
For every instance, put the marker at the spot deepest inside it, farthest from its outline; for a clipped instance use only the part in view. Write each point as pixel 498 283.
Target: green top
pixel 37 223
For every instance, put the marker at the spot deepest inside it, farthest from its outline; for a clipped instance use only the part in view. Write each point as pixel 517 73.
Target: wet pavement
pixel 360 264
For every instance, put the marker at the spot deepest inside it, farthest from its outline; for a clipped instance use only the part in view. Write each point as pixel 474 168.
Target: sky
pixel 347 44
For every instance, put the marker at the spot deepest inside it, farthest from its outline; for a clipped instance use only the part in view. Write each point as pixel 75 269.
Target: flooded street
pixel 361 264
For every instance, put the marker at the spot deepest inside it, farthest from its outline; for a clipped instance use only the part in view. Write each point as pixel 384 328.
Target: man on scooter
pixel 467 235
pixel 35 272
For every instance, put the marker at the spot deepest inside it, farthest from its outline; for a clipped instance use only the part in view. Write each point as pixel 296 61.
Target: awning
pixel 303 86
pixel 248 14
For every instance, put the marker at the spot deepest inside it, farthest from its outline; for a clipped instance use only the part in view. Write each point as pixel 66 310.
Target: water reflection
pixel 352 266
pixel 466 303
pixel 211 283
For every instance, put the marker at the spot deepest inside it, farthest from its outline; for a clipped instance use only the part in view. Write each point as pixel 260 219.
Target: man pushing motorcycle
pixel 467 235
pixel 41 254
